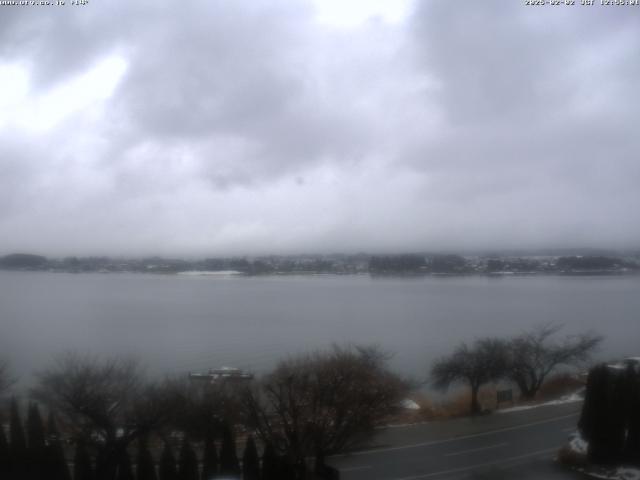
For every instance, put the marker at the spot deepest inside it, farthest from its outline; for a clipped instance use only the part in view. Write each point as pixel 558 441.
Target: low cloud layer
pixel 271 127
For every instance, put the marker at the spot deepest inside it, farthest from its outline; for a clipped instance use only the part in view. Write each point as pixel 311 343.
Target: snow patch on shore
pixel 574 397
pixel 409 404
pixel 210 272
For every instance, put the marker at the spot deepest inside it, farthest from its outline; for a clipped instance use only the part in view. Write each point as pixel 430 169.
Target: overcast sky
pixel 264 126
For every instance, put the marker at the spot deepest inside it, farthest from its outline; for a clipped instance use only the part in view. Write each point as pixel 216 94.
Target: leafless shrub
pixel 6 380
pixel 106 403
pixel 323 403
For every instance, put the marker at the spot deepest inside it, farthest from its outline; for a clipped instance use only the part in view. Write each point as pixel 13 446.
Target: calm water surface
pixel 178 323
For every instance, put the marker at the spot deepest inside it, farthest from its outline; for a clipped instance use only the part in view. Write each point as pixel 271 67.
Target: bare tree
pixel 6 380
pixel 105 403
pixel 484 361
pixel 200 409
pixel 323 403
pixel 534 355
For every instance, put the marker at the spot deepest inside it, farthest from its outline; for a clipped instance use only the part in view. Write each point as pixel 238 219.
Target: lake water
pixel 176 323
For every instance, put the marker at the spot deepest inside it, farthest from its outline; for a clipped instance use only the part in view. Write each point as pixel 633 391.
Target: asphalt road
pixel 518 445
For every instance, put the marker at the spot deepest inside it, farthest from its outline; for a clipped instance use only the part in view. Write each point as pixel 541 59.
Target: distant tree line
pixel 22 260
pixel 108 422
pixel 401 264
pixel 591 263
pixel 414 263
pixel 518 265
pixel 258 266
pixel 610 420
pixel 397 263
pixel 526 360
pixel 457 265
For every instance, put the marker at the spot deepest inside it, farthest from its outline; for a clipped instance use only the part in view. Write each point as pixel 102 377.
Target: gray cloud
pixel 241 128
pixel 537 129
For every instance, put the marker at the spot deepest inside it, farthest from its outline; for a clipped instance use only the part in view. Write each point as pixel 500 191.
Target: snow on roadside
pixel 574 397
pixel 409 404
pixel 629 473
pixel 579 446
pixel 620 473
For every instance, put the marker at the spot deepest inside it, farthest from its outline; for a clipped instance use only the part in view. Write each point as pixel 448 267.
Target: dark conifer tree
pixel 210 458
pixel 602 421
pixel 52 428
pixel 617 413
pixel 250 461
pixel 56 461
pixel 125 471
pixel 632 447
pixel 104 469
pixel 17 445
pixel 146 466
pixel 229 464
pixel 4 455
pixel 37 449
pixel 269 463
pixel 35 428
pixel 82 468
pixel 168 469
pixel 286 470
pixel 188 462
pixel 594 400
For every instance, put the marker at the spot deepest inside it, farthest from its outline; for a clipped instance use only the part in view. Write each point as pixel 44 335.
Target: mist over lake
pixel 175 324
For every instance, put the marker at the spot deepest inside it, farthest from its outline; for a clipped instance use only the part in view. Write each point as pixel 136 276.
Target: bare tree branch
pixel 104 402
pixel 325 402
pixel 6 380
pixel 534 355
pixel 482 362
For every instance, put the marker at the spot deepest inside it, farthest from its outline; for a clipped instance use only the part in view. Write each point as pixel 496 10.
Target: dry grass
pixel 559 386
pixel 458 404
pixel 455 405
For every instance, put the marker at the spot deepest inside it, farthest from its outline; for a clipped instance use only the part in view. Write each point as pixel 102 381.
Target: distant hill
pixel 22 260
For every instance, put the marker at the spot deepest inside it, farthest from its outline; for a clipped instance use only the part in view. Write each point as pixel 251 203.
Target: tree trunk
pixel 475 405
pixel 319 466
pixel 528 393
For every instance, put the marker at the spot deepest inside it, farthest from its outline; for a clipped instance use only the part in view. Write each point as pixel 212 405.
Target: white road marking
pixel 478 465
pixel 472 450
pixel 455 439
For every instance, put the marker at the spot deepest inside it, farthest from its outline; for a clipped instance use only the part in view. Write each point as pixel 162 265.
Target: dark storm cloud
pixel 241 127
